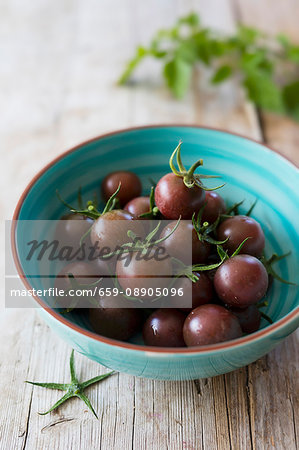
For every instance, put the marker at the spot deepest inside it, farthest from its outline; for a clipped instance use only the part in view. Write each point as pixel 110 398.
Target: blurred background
pixel 59 65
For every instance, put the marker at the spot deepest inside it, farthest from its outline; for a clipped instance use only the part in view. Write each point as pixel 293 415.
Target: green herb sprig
pixel 268 263
pixel 190 179
pixel 143 246
pixel 259 61
pixel 91 210
pixel 204 230
pixel 72 389
pixel 153 209
pixel 75 285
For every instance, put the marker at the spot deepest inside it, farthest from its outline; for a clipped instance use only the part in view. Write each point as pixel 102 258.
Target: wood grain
pixel 61 60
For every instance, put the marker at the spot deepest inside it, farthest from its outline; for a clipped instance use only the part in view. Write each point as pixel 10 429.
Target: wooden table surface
pixel 59 63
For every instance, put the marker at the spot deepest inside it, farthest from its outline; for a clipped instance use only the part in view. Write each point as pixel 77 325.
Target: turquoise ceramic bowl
pixel 249 169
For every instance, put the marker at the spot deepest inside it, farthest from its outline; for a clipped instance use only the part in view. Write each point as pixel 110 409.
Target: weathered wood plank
pixel 272 17
pixel 15 354
pixel 273 381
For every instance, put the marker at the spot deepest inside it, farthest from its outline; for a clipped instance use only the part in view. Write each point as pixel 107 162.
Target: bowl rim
pixel 127 345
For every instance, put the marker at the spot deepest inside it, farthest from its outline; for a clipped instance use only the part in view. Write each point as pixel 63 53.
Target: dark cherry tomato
pixel 130 186
pixel 112 319
pixel 84 274
pixel 144 272
pixel 215 205
pixel 110 229
pixel 238 228
pixel 105 267
pixel 209 324
pixel 70 229
pixel 201 292
pixel 249 318
pixel 138 206
pixel 175 200
pixel 164 328
pixel 184 240
pixel 213 258
pixel 241 281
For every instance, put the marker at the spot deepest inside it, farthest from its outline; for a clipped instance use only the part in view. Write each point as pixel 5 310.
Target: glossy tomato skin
pixel 184 244
pixel 164 328
pixel 175 200
pixel 210 324
pixel 241 281
pixel 105 267
pixel 130 186
pixel 213 258
pixel 113 320
pixel 70 229
pixel 249 318
pixel 143 272
pixel 238 228
pixel 138 206
pixel 110 229
pixel 215 205
pixel 84 274
pixel 201 292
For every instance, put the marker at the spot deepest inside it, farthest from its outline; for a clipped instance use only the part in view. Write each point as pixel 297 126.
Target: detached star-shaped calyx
pixel 73 389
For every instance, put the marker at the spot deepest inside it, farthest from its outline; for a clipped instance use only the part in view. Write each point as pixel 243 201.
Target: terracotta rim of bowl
pixel 127 345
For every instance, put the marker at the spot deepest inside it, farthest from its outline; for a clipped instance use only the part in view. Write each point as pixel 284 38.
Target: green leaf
pixel 248 35
pixel 73 389
pixel 86 400
pixel 153 210
pixel 266 317
pixel 74 379
pixel 238 249
pixel 191 19
pixel 222 253
pixel 169 234
pixel 214 241
pixel 256 60
pixel 85 236
pixel 203 267
pixel 203 46
pixel 221 74
pixel 251 208
pixel 141 53
pixel 63 399
pixel 186 50
pixel 283 40
pixel 59 386
pixel 290 94
pixel 234 209
pixel 293 53
pixel 152 198
pixel 177 73
pixel 93 380
pixel 262 90
pixel 272 260
pixel 62 201
pixel 111 201
pixel 249 52
pixel 150 236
